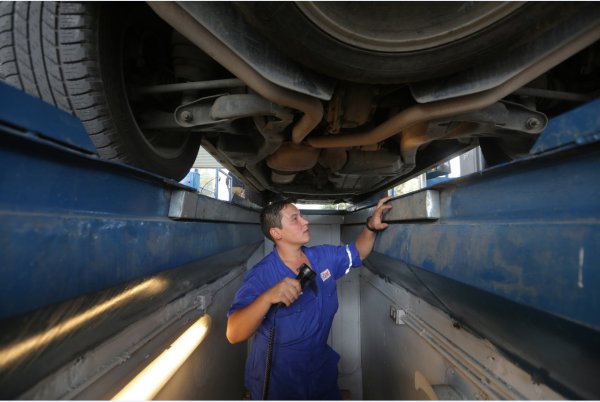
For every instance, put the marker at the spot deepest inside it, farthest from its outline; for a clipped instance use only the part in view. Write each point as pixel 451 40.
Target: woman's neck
pixel 292 257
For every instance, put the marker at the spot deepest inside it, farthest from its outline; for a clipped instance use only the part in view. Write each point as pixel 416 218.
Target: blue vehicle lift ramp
pixel 76 231
pixel 511 253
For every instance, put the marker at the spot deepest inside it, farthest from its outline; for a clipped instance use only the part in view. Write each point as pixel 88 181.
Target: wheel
pixel 395 42
pixel 74 56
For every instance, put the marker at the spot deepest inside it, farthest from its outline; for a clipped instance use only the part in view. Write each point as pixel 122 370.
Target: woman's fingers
pixel 287 291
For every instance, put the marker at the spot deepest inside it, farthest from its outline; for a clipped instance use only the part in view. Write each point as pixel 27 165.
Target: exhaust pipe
pixel 451 107
pixel 185 24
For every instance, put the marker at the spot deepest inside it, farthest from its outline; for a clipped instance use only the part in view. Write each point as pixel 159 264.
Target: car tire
pixel 70 55
pixel 299 35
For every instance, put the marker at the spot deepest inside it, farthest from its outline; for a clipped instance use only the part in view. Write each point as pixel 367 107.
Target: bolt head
pixel 186 115
pixel 532 123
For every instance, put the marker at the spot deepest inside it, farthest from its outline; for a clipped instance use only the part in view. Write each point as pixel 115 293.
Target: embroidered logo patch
pixel 325 275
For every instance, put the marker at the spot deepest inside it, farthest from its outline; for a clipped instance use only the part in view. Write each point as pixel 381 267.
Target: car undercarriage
pixel 313 101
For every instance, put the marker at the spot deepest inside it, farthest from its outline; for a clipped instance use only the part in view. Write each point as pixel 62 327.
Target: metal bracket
pixel 198 112
pixel 508 116
pixel 397 315
pixel 222 108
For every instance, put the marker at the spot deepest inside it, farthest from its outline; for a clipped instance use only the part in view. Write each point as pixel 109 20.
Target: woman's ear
pixel 275 233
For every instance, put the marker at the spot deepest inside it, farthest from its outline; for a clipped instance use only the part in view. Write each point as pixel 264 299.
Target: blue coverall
pixel 303 365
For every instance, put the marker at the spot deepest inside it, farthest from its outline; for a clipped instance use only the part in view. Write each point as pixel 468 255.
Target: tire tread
pixel 50 50
pixel 60 35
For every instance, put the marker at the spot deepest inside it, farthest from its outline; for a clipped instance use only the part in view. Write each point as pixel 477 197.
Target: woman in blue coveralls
pixel 303 365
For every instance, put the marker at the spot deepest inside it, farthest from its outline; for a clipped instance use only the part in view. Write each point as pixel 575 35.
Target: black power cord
pixel 305 275
pixel 270 355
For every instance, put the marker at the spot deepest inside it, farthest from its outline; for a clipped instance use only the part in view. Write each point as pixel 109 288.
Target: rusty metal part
pixel 248 105
pixel 411 139
pixel 333 158
pixel 293 158
pixel 334 114
pixel 358 105
pixel 506 116
pixel 464 104
pixel 380 163
pixel 185 24
pixel 350 107
pixel 415 136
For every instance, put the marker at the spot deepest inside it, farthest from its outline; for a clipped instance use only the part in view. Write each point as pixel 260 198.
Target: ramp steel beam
pixel 72 223
pixel 514 254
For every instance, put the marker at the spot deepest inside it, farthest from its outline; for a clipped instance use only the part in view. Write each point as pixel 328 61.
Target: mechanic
pixel 303 365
